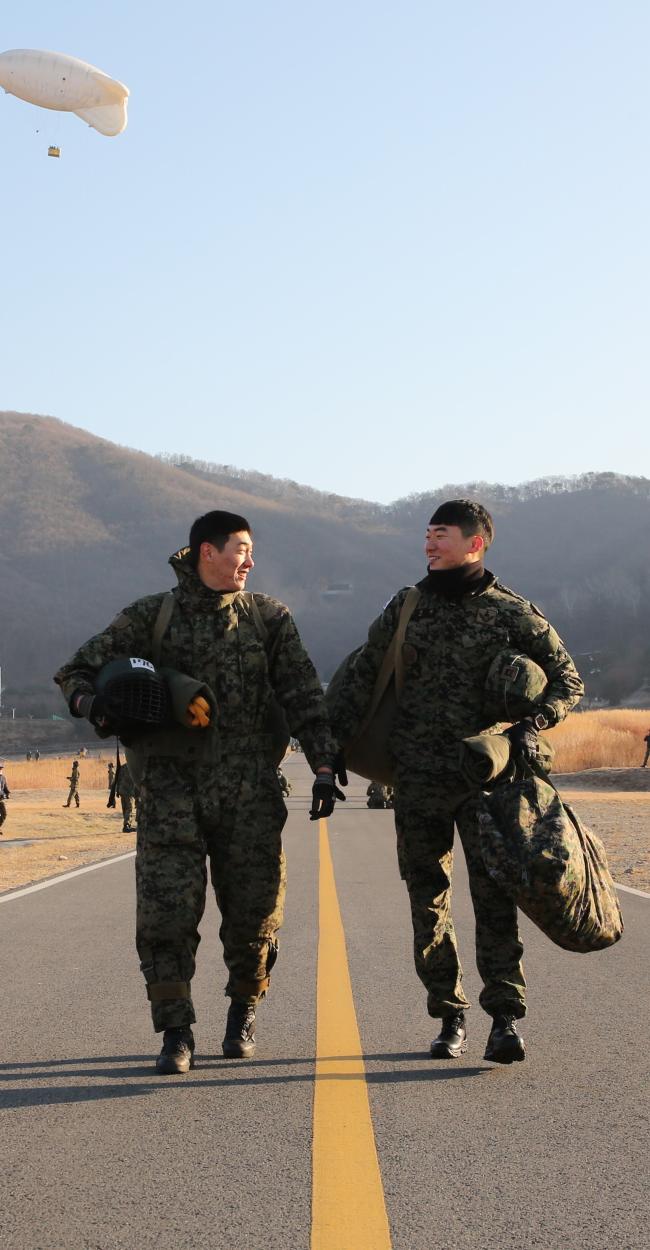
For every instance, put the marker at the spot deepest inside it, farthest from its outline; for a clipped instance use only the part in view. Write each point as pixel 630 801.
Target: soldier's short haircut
pixel 216 528
pixel 470 517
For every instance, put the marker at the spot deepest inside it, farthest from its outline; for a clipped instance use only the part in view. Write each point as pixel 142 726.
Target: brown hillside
pixel 88 526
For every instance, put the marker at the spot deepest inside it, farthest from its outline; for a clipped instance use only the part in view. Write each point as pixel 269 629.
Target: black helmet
pixel 133 694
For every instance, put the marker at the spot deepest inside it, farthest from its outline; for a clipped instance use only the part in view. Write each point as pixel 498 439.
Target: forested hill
pixel 87 527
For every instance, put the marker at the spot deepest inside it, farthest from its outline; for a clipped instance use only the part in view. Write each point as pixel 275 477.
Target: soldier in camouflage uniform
pixel 463 619
pixel 285 785
pixel 74 785
pixel 377 794
pixel 209 789
pixel 125 791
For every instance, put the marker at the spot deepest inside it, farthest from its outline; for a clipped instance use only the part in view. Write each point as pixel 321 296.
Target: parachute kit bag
pixel 367 754
pixel 538 850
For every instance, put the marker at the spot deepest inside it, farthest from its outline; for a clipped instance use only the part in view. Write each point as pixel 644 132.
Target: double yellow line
pixel 348 1208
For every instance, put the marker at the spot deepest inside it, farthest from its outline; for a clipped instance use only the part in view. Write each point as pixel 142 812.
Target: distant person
pixel 647 749
pixel 4 795
pixel 37 755
pixel 212 794
pixel 28 756
pixel 126 793
pixel 285 785
pixel 110 768
pixel 463 620
pixel 377 795
pixel 74 785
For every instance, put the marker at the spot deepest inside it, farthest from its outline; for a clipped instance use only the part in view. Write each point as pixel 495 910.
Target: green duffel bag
pixel 368 752
pixel 538 850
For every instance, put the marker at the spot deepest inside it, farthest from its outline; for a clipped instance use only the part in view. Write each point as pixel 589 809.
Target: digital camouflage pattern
pixel 449 647
pixel 450 644
pixel 212 792
pixel 535 847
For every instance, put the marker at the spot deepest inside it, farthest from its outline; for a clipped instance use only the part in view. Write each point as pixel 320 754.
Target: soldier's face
pixel 227 569
pixel 446 547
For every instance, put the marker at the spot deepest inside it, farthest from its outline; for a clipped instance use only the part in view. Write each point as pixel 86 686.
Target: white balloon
pixel 56 81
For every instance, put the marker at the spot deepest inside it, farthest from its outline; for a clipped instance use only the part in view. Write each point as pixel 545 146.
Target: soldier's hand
pixel 199 713
pixel 92 707
pixel 324 795
pixel 523 736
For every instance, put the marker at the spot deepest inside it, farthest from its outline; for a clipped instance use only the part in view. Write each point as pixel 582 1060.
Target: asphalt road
pixel 98 1153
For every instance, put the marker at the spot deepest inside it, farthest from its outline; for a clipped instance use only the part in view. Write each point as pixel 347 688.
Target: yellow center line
pixel 348 1208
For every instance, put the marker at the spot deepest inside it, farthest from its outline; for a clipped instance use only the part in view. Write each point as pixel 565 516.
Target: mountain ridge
pixel 88 526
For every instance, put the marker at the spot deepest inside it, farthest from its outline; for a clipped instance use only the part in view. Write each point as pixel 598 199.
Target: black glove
pixel 523 736
pixel 324 795
pixel 340 771
pixel 92 707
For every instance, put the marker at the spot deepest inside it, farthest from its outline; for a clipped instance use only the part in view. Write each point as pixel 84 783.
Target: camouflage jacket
pixel 449 646
pixel 4 788
pixel 213 639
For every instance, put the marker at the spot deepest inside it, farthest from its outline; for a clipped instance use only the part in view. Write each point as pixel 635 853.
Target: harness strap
pixel 161 625
pixel 392 664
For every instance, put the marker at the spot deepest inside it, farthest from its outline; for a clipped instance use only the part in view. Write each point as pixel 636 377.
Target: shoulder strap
pixel 392 662
pixel 249 600
pixel 161 625
pixel 400 633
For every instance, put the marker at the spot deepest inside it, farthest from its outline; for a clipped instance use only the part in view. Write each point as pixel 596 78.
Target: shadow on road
pixel 132 1082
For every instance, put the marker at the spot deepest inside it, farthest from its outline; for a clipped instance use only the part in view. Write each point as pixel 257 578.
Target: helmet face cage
pixel 137 698
pixel 134 694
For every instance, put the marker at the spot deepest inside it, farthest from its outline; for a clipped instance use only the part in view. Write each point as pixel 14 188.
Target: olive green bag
pixel 367 753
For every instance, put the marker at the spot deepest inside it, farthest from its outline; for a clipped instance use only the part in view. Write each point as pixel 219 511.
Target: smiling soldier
pixel 464 619
pixel 208 787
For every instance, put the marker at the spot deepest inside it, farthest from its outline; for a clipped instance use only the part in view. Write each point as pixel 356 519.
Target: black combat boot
pixel 504 1045
pixel 452 1038
pixel 177 1054
pixel 239 1042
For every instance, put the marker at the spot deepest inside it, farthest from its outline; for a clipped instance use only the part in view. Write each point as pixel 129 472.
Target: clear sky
pixel 374 247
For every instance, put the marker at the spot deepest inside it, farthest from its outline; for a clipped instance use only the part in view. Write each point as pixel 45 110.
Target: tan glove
pixel 199 713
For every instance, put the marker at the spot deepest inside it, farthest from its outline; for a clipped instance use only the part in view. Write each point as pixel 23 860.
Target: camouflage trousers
pixel 234 821
pixel 126 801
pixel 426 811
pixel 74 794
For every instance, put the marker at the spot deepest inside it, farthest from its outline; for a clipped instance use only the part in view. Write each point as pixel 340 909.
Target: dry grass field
pixel 611 738
pixel 50 773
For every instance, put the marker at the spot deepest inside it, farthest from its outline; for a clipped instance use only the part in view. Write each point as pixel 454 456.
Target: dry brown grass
pixel 611 738
pixel 52 774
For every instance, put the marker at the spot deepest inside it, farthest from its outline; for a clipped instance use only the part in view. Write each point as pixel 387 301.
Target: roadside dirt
pixel 42 839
